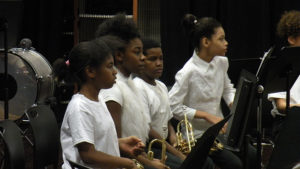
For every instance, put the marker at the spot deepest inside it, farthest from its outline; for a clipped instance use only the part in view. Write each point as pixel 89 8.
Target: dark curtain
pixel 249 25
pixel 43 24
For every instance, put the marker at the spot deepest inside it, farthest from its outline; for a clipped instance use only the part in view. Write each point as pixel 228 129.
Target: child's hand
pixel 131 146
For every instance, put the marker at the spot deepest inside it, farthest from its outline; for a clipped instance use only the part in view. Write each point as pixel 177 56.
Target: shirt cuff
pixel 190 113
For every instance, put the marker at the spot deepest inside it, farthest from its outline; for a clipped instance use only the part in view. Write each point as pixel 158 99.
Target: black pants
pixel 175 162
pixel 226 159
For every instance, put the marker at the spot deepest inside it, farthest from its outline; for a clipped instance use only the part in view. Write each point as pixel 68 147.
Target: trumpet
pixel 138 164
pixel 183 145
pixel 163 151
pixel 217 146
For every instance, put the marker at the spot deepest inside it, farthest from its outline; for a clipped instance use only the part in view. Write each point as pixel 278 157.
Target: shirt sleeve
pixel 177 95
pixel 277 95
pixel 112 94
pixel 81 126
pixel 229 90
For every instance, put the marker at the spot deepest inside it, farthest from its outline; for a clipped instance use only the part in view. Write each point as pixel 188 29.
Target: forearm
pixel 104 160
pixel 174 151
pixel 172 134
pixel 207 116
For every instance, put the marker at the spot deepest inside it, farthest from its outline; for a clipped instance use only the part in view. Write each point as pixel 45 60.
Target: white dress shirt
pixel 200 86
pixel 294 97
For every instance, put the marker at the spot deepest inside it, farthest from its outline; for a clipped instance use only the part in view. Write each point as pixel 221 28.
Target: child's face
pixel 133 60
pixel 106 74
pixel 153 63
pixel 218 44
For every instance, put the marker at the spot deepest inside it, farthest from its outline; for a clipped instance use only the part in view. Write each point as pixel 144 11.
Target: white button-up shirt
pixel 200 86
pixel 294 97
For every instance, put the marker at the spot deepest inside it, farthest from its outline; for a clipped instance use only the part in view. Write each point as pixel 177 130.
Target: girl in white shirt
pixel 123 100
pixel 88 134
pixel 203 81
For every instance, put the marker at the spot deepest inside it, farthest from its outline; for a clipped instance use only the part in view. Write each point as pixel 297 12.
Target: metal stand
pixel 3 27
pixel 260 90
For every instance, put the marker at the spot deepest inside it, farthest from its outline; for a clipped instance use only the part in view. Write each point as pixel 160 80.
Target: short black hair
pixel 89 53
pixel 149 43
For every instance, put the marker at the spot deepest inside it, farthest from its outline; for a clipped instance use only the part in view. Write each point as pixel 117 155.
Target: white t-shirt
pixel 157 99
pixel 200 86
pixel 135 120
pixel 87 121
pixel 294 97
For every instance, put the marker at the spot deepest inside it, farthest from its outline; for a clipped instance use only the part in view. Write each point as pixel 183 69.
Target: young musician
pixel 155 94
pixel 88 134
pixel 203 81
pixel 123 100
pixel 288 29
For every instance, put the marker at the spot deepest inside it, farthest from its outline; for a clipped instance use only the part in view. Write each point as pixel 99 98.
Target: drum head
pixel 22 85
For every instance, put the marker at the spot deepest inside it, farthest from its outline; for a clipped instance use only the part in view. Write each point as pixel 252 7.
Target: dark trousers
pixel 226 159
pixel 175 162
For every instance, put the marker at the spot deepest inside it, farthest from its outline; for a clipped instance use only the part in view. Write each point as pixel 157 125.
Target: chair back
pixel 14 157
pixel 45 135
pixel 75 165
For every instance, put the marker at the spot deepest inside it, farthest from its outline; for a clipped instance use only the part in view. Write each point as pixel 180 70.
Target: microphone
pixel 25 43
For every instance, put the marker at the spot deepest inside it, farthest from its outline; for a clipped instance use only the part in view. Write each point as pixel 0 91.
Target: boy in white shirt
pixel 155 94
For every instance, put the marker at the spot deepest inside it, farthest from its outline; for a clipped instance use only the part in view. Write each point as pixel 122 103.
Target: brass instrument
pixel 217 146
pixel 183 145
pixel 138 164
pixel 163 151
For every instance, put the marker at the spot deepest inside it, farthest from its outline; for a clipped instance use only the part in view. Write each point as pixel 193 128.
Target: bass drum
pixel 30 81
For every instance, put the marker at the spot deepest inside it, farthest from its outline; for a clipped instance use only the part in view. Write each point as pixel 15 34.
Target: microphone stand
pixel 3 26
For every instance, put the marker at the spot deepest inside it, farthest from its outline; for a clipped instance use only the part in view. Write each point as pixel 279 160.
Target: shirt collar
pixel 122 77
pixel 200 63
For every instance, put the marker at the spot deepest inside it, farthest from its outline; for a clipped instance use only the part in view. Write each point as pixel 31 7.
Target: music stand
pixel 276 74
pixel 283 68
pixel 197 157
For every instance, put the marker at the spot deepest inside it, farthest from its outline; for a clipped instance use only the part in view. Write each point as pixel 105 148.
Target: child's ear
pixel 205 41
pixel 291 40
pixel 119 56
pixel 90 72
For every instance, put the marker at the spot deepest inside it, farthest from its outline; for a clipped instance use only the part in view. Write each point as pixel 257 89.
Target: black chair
pixel 45 136
pixel 13 155
pixel 75 165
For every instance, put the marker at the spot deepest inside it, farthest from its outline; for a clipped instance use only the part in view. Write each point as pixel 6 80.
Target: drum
pixel 30 81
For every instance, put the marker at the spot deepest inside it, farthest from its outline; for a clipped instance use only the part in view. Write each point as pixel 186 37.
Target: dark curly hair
pixel 289 24
pixel 196 28
pixel 119 26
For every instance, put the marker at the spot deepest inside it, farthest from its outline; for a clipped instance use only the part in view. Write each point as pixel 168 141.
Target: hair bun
pixel 188 22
